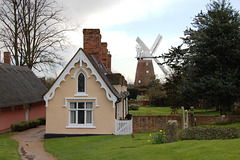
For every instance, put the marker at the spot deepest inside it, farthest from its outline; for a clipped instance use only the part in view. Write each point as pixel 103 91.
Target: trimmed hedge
pixel 133 107
pixel 210 133
pixel 24 125
pixel 42 121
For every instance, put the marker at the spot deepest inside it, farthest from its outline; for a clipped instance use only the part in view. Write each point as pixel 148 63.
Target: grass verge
pixel 124 147
pixel 8 148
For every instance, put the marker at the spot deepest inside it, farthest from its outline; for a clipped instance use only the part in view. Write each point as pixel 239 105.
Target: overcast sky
pixel 122 21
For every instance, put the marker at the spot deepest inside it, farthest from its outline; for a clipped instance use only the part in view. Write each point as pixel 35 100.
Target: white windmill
pixel 144 56
pixel 143 52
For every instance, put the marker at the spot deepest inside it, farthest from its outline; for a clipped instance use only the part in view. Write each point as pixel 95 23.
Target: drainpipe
pixel 119 100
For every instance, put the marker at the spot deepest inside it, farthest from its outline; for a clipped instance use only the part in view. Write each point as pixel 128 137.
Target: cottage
pixel 87 98
pixel 21 94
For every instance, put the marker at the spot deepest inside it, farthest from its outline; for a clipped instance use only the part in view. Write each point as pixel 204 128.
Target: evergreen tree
pixel 213 71
pixel 209 68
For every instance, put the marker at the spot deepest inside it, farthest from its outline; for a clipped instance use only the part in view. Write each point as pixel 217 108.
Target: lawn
pixel 124 147
pixel 8 148
pixel 145 110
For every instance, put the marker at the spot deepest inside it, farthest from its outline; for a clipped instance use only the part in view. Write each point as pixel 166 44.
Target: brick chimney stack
pixel 92 43
pixel 7 57
pixel 104 53
pixel 109 59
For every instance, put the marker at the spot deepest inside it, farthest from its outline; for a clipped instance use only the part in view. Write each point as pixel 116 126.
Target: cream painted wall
pixel 120 108
pixel 58 116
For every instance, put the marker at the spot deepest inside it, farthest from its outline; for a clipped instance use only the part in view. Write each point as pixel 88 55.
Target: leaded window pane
pixel 81 83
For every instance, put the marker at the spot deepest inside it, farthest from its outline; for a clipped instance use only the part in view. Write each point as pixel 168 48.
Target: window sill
pixel 80 126
pixel 81 94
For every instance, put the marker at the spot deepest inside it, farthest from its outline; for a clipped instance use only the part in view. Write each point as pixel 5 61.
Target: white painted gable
pixel 79 57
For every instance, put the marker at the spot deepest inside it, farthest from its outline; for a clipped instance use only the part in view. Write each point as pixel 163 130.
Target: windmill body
pixel 145 70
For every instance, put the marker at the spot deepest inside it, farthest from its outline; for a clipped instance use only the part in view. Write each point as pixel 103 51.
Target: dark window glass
pixel 80 105
pixel 81 117
pixel 81 83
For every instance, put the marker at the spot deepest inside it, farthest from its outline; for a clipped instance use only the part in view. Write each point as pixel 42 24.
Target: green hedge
pixel 42 121
pixel 27 124
pixel 210 133
pixel 133 107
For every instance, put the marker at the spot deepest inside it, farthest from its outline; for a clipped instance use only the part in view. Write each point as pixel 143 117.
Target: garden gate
pixel 123 127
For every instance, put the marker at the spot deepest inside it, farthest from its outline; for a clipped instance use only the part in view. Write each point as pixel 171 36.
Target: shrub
pixel 24 125
pixel 210 133
pixel 133 107
pixel 133 92
pixel 158 138
pixel 33 124
pixel 42 121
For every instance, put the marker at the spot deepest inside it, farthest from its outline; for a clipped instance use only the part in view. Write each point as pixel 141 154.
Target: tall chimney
pixel 104 54
pixel 92 43
pixel 109 59
pixel 7 57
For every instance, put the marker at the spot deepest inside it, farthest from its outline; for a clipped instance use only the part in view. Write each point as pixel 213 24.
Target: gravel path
pixel 31 145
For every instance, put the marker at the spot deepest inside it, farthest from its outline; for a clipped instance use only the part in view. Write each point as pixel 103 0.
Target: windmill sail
pixel 156 44
pixel 145 53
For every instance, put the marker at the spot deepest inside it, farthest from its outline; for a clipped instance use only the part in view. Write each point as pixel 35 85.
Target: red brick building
pixel 144 74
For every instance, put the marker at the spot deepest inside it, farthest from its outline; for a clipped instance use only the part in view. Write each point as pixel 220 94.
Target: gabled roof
pixel 111 93
pixel 19 85
pixel 102 73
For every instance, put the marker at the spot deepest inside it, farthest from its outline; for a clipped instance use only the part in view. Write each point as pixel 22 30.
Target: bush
pixel 158 138
pixel 210 133
pixel 133 92
pixel 42 121
pixel 25 125
pixel 133 107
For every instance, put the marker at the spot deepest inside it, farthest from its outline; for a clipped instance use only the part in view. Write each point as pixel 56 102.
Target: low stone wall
pixel 152 123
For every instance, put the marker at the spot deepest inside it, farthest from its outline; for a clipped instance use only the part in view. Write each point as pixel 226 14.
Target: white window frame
pixel 85 125
pixel 85 88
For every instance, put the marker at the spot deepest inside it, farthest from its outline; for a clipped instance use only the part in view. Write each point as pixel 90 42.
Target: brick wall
pixel 153 123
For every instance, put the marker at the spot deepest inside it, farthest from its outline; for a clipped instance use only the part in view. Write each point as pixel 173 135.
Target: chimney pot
pixel 7 57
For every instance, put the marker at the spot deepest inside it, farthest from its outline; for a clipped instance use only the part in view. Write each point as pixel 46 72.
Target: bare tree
pixel 33 31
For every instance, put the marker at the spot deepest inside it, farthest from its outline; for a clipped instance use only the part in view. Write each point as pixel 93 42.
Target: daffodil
pixel 150 135
pixel 148 140
pixel 160 131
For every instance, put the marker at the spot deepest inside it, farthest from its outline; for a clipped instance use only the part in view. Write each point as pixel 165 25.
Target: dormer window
pixel 81 83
